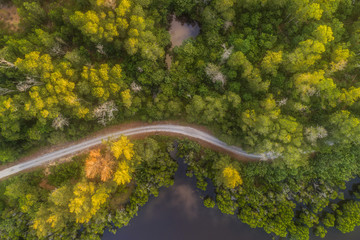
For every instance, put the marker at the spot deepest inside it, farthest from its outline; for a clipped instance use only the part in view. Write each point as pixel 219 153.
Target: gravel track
pixel 163 128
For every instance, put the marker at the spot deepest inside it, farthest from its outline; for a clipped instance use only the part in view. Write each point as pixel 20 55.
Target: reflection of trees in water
pixel 180 30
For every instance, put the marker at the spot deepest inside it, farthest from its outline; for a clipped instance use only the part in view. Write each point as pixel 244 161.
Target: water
pixel 178 214
pixel 180 31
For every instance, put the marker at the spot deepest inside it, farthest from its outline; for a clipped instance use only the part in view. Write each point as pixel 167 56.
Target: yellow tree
pixel 271 62
pixel 123 146
pixel 125 168
pixel 126 98
pixel 339 58
pixel 350 96
pixel 123 173
pixel 87 200
pixel 231 177
pixel 323 34
pixel 98 165
pixel 103 81
pixel 227 173
pixel 49 87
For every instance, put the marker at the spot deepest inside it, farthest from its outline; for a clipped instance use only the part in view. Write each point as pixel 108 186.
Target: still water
pixel 180 31
pixel 178 214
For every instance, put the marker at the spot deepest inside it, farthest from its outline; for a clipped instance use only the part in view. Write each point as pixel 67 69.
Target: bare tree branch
pixel 27 84
pixel 105 112
pixel 60 122
pixel 4 91
pixel 6 64
pixel 215 74
pixel 135 87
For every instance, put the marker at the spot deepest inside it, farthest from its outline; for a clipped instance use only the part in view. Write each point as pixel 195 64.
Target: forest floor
pixel 10 16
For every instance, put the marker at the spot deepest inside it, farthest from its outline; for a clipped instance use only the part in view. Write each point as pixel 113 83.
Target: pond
pixel 179 214
pixel 180 31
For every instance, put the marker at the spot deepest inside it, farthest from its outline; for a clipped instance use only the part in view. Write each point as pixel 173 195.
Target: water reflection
pixel 180 31
pixel 178 214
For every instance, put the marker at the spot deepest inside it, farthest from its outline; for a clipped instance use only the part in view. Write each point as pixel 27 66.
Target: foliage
pixel 98 165
pixel 284 203
pixel 122 146
pixel 276 77
pixel 122 174
pixel 31 212
pixel 64 172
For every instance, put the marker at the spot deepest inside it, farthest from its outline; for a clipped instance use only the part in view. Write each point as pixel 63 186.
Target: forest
pixel 278 78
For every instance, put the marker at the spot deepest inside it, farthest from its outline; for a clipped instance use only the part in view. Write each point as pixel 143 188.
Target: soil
pixel 10 16
pixel 45 185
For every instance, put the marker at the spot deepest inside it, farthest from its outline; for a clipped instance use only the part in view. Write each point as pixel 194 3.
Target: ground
pixel 9 16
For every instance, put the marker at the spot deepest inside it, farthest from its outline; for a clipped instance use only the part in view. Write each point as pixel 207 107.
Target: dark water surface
pixel 179 214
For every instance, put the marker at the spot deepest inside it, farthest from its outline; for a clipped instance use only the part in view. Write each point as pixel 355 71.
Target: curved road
pixel 165 128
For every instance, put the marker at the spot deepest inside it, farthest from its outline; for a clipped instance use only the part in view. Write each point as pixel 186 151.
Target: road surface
pixel 163 128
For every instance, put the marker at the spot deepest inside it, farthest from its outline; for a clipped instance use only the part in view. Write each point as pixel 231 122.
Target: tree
pixel 323 34
pixel 237 61
pixel 103 82
pixel 215 74
pixel 123 174
pixel 54 216
pixel 271 62
pixel 88 24
pixel 54 90
pixel 209 203
pixel 123 146
pixel 339 57
pixel 227 173
pixel 305 55
pixel 99 165
pixel 308 218
pixel 105 112
pixel 60 122
pixel 349 97
pixel 312 134
pixel 320 231
pixel 311 84
pixel 298 232
pixel 32 13
pixel 346 127
pixel 303 10
pixel 231 177
pixel 87 200
pixel 225 8
pixel 329 220
pixel 348 216
pixel 126 98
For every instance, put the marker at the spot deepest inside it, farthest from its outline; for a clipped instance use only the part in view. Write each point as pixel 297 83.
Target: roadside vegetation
pixel 285 202
pixel 277 77
pixel 103 188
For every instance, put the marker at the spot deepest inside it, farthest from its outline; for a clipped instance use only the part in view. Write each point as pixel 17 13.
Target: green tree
pixel 348 216
pixel 32 13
